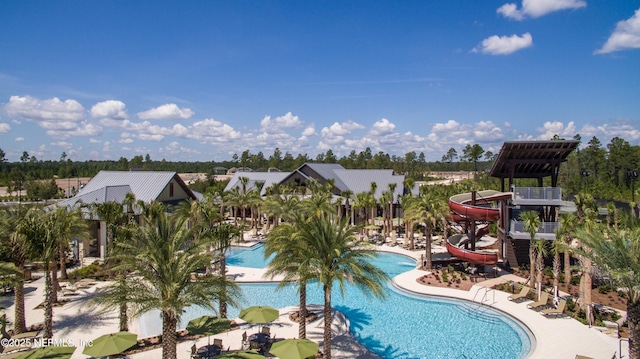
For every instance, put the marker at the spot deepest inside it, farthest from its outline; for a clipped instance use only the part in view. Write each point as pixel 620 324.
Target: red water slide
pixel 464 210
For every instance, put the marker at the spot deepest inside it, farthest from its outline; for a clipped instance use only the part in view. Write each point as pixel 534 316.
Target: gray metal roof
pixel 360 181
pixel 145 185
pixel 255 178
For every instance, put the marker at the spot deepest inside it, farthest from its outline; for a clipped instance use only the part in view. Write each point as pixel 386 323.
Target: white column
pixel 102 239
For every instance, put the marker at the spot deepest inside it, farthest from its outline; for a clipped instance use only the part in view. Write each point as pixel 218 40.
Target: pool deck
pixel 554 338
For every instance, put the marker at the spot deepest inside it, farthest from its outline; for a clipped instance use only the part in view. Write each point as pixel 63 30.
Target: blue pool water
pixel 247 257
pixel 400 326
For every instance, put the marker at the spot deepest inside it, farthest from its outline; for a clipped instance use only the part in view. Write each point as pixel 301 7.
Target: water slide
pixel 464 209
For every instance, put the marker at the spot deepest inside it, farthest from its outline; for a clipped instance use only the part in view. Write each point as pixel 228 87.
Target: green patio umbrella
pixel 294 349
pixel 49 352
pixel 259 314
pixel 207 325
pixel 242 354
pixel 111 344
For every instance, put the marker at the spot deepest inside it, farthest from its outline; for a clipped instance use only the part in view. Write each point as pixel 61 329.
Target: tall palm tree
pixel 38 228
pixel 289 260
pixel 222 236
pixel 120 292
pixel 428 208
pixel 568 224
pixel 112 214
pixel 531 221
pixel 557 247
pixel 347 195
pixel 392 190
pixel 14 244
pixel 70 224
pixel 163 254
pixel 617 252
pixel 334 259
pixel 541 252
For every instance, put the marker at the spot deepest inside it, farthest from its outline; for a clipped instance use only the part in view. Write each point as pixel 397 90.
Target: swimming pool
pixel 403 325
pixel 248 257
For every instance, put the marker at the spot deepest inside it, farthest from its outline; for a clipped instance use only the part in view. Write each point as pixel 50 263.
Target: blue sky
pixel 202 80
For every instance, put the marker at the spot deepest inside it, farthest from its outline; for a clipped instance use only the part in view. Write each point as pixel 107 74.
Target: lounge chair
pixel 523 294
pixel 542 301
pixel 555 311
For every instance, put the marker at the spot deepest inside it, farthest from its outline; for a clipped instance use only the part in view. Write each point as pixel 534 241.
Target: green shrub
pixel 463 276
pixel 604 288
pixel 548 272
pixel 85 272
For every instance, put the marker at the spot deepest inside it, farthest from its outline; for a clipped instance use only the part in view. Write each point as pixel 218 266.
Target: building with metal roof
pixel 356 181
pixel 114 186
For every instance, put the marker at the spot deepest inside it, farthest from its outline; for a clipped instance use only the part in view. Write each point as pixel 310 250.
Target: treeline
pixel 607 172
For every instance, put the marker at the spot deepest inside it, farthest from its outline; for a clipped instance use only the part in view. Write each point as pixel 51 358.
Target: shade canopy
pixel 207 325
pixel 259 314
pixel 49 352
pixel 243 354
pixel 294 349
pixel 111 344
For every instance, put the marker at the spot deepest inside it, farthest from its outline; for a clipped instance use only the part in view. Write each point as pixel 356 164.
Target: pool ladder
pixel 478 309
pixel 485 295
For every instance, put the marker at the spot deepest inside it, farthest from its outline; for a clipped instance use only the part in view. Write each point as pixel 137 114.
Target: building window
pixel 171 189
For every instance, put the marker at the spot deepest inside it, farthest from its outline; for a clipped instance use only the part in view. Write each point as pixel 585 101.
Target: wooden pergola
pixel 531 159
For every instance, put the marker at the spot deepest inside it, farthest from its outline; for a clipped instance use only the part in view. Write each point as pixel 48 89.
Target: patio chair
pixel 523 294
pixel 266 330
pixel 245 341
pixel 555 311
pixel 542 301
pixel 217 342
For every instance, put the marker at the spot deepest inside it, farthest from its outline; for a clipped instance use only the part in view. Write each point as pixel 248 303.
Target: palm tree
pixel 428 208
pixel 392 190
pixel 38 228
pixel 112 214
pixel 120 292
pixel 347 195
pixel 556 249
pixel 617 252
pixel 333 259
pixel 163 254
pixel 289 260
pixel 568 224
pixel 541 252
pixel 14 244
pixel 70 224
pixel 531 221
pixel 222 236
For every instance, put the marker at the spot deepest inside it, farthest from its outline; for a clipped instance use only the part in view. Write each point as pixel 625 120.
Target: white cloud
pixel 537 8
pixel 625 36
pixel 45 110
pixel 111 109
pixel 4 127
pixel 382 127
pixel 212 131
pixel 504 45
pixel 150 137
pixel 19 139
pixel 93 140
pixel 309 131
pixel 61 119
pixel 169 111
pixel 549 129
pixel 287 121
